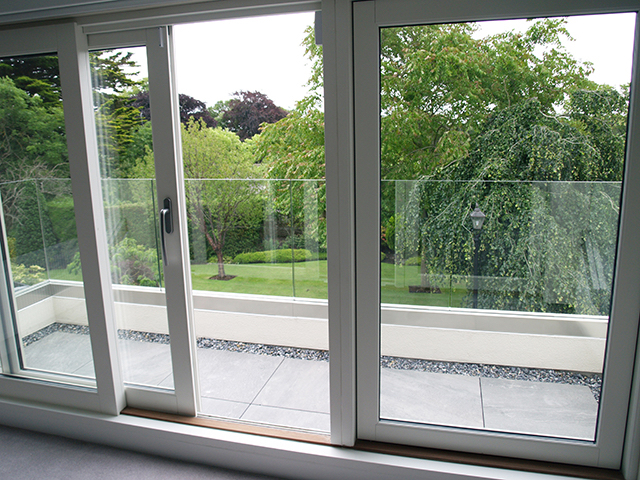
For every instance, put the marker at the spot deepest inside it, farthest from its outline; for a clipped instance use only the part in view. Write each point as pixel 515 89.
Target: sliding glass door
pixel 253 159
pixel 214 184
pixel 491 157
pixel 135 108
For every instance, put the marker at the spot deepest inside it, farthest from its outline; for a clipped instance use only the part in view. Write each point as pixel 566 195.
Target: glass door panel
pixel 501 176
pixel 50 323
pixel 253 154
pixel 123 122
pixel 490 160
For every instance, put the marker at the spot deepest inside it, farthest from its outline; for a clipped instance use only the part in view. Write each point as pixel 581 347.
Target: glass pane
pixel 38 209
pixel 253 152
pixel 502 152
pixel 123 123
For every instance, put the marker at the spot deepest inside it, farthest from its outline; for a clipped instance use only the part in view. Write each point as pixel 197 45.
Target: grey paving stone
pixel 146 363
pixel 288 418
pixel 552 409
pixel 222 408
pixel 59 352
pixel 238 377
pixel 452 400
pixel 298 384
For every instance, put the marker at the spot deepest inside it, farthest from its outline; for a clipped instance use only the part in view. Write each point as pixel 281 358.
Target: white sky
pixel 215 59
pixel 264 54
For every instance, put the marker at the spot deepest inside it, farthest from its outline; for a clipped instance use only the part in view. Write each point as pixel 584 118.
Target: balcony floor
pixel 294 392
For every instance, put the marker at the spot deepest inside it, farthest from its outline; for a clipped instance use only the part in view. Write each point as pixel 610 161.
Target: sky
pixel 215 59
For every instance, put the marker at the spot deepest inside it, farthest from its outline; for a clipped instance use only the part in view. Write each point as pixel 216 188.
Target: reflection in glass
pixel 501 327
pixel 123 124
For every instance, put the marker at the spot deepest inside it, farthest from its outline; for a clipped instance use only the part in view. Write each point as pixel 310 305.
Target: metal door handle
pixel 166 226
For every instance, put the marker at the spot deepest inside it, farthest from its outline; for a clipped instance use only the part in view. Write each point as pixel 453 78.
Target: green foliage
pixel 31 135
pixel 34 230
pixel 439 83
pixel 11 243
pixel 134 221
pixel 220 199
pixel 63 219
pixel 117 121
pixel 37 75
pixel 131 264
pixel 27 275
pixel 275 256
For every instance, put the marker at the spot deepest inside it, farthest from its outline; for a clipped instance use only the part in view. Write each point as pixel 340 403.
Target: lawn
pixel 311 282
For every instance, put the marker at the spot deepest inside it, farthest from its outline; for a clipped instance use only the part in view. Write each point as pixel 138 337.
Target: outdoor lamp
pixel 477 218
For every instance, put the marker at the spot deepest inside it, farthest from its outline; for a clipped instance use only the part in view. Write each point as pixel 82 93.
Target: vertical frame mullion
pixel 170 183
pixel 367 166
pixel 75 75
pixel 338 77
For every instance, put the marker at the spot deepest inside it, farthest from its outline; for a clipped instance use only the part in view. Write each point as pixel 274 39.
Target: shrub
pixel 27 275
pixel 274 256
pixel 413 261
pixel 131 264
pixel 62 217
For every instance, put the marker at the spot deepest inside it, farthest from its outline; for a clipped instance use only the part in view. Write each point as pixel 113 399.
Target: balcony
pixel 263 356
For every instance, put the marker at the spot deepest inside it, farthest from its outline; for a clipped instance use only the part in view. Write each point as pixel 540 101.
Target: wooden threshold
pixel 231 426
pixel 449 456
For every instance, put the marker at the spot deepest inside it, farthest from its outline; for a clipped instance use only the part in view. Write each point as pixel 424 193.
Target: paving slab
pixel 222 408
pixel 146 363
pixel 238 377
pixel 59 352
pixel 434 398
pixel 552 409
pixel 286 417
pixel 299 385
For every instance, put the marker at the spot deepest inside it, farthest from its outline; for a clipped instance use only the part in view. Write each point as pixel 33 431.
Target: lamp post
pixel 477 219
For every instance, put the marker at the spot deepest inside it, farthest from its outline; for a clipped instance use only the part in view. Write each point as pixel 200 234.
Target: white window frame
pixel 105 394
pixel 606 451
pixel 18 395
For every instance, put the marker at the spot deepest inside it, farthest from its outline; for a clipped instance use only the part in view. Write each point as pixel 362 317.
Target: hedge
pixel 274 256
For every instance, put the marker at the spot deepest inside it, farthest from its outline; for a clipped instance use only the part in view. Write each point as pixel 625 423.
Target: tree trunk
pixel 221 273
pixel 424 276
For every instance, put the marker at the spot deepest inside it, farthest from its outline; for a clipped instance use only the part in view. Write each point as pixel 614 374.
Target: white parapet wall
pixel 531 340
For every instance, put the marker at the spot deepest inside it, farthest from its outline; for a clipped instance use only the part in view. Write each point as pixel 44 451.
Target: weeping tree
pixel 550 187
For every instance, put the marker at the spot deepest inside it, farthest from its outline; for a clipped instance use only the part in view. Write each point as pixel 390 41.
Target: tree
pixel 439 83
pixel 32 146
pixel 549 185
pixel 293 149
pixel 189 108
pixel 36 75
pixel 219 169
pixel 248 111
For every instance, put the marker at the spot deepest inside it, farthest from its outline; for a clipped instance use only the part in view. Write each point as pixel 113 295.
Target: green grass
pixel 63 274
pixel 395 288
pixel 265 279
pixel 311 282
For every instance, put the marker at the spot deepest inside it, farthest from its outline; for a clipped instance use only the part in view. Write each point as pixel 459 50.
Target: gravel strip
pixel 54 327
pixel 593 381
pixel 259 349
